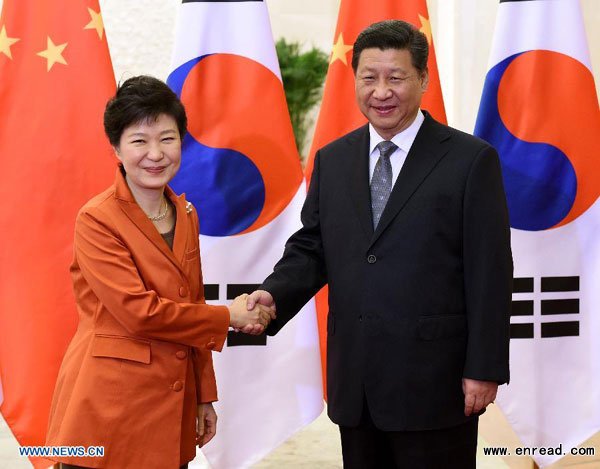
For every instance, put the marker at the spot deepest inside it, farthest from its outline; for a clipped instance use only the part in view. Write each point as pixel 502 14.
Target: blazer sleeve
pixel 202 359
pixel 488 270
pixel 204 373
pixel 107 266
pixel 301 272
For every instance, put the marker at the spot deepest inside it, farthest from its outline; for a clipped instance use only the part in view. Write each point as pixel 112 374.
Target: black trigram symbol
pixel 548 308
pixel 211 292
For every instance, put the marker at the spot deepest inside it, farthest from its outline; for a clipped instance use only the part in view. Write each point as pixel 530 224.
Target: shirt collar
pixel 402 140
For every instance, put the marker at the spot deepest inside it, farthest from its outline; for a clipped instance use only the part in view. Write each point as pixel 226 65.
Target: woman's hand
pixel 250 320
pixel 206 424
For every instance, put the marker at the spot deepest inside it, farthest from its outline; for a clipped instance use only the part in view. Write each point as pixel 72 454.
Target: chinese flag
pixel 339 112
pixel 56 78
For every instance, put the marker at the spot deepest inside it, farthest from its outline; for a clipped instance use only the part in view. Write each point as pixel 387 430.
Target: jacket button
pixel 183 291
pixel 210 345
pixel 371 259
pixel 181 354
pixel 177 386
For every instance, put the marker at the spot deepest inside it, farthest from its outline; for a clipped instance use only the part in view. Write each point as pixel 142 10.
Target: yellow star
pixel 340 50
pixel 96 23
pixel 53 53
pixel 426 28
pixel 6 42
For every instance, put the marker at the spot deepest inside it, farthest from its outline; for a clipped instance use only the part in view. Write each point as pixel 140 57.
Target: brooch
pixel 189 207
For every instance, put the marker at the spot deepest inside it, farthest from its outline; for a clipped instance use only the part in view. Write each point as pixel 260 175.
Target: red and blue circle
pixel 540 111
pixel 240 166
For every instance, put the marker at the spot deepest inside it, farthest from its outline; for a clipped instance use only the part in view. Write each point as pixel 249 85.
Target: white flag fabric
pixel 540 110
pixel 241 170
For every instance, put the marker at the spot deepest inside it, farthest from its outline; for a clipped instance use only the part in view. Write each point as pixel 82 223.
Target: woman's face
pixel 151 153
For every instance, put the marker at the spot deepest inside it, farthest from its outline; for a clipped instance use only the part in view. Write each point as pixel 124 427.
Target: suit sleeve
pixel 301 272
pixel 488 270
pixel 108 268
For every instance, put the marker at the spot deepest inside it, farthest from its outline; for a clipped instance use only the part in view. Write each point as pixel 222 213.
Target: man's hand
pixel 206 424
pixel 263 299
pixel 250 320
pixel 478 394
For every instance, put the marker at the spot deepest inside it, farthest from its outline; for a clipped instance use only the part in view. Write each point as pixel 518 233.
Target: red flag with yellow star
pixel 56 78
pixel 339 112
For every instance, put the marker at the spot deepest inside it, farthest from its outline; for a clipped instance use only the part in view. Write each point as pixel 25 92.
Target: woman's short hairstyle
pixel 140 99
pixel 393 34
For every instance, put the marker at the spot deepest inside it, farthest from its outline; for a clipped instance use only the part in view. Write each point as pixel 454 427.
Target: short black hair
pixel 393 34
pixel 138 99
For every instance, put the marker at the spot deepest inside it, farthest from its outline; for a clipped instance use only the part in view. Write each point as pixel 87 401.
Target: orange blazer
pixel 140 360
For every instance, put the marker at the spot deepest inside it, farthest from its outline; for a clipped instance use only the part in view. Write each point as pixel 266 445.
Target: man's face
pixel 389 89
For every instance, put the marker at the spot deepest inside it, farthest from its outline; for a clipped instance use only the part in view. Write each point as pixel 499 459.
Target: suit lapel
pixel 142 222
pixel 429 147
pixel 359 183
pixel 181 225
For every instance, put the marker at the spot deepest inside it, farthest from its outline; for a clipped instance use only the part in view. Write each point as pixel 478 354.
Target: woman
pixel 137 377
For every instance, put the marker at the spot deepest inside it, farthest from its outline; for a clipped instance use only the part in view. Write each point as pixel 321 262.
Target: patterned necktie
pixel 381 183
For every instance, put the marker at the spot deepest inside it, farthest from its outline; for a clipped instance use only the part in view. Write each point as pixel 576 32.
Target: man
pixel 413 239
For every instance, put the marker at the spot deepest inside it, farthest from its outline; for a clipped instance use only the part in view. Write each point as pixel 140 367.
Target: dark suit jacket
pixel 421 302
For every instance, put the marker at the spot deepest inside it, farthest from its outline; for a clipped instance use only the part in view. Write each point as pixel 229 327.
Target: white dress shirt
pixel 403 141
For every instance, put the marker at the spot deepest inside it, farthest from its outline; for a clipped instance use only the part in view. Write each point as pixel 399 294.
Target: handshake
pixel 252 313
